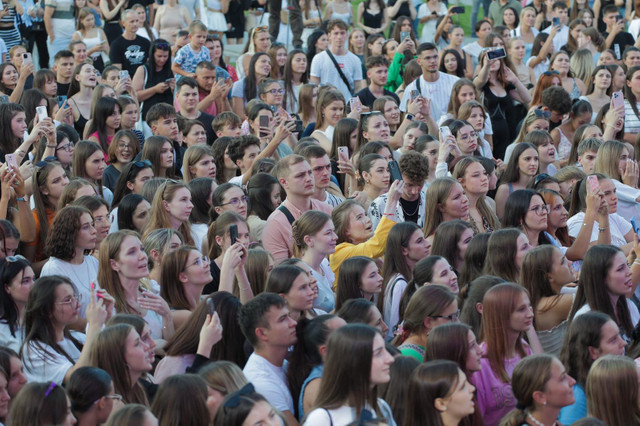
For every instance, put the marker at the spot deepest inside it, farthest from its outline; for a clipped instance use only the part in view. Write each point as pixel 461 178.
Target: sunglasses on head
pixel 45 161
pixel 549 73
pixel 540 113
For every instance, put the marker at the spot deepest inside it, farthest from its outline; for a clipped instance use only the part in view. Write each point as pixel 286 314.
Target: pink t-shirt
pixel 495 397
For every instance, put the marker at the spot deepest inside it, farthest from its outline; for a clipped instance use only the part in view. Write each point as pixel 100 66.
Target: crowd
pixel 339 229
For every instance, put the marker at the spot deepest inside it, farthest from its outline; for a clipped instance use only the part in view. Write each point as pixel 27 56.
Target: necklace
pixel 539 423
pixel 414 212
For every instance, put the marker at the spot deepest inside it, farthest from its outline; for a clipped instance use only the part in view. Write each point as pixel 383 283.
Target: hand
pixel 407 44
pixel 17 183
pixel 284 130
pixel 148 300
pixel 361 197
pixel 395 192
pixel 233 255
pixel 26 69
pixel 210 333
pixel 218 88
pixel 96 312
pixel 51 38
pixel 426 108
pixel 161 87
pixel 447 146
pixel 346 167
pixel 26 169
pixel 414 106
pixel 63 114
pixel 630 175
pixel 108 301
pixel 123 85
pixel 593 199
pixel 6 177
pixel 509 74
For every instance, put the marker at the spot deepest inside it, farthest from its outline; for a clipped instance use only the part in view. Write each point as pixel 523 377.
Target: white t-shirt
pixel 628 207
pixel 631 120
pixel 270 381
pixel 561 38
pixel 80 275
pixel 633 311
pixel 618 227
pixel 439 92
pixel 199 233
pixel 344 415
pixel 539 69
pixel 323 68
pixel 9 341
pixel 40 367
pixel 429 28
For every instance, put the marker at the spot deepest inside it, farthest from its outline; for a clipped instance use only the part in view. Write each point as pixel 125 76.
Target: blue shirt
pixel 576 411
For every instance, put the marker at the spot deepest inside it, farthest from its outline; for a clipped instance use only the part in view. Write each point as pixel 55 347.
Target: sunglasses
pixel 540 178
pixel 235 398
pixel 540 113
pixel 261 29
pixel 142 164
pixel 41 164
pixel 550 73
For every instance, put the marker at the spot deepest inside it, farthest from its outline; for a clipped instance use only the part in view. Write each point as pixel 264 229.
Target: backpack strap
pixel 287 214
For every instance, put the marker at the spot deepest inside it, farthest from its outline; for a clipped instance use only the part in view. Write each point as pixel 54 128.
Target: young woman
pixel 503 241
pixel 542 387
pixel 372 17
pixel 307 97
pixel 358 277
pixel 154 82
pixel 245 89
pixel 439 394
pixel 54 407
pixel 506 317
pixel 560 62
pixel 605 286
pixel 88 163
pixel 182 399
pixel 374 174
pixel 475 181
pixel 16 379
pixel 91 393
pixel 373 127
pixel 263 191
pixel 445 201
pixel 429 307
pixel 258 42
pixel 122 149
pixel 294 285
pixel 171 208
pixel 278 54
pixel 123 264
pixel 18 278
pixel 526 210
pixel 522 167
pixel 171 18
pixel 93 37
pixel 157 243
pixel 158 150
pixel 631 101
pixel 83 81
pixel 589 337
pixel 296 74
pixel 517 56
pixel 598 93
pixel 216 51
pixel 100 213
pixel 329 110
pixel 228 197
pixel 456 39
pixel 51 352
pixel 356 362
pixel 198 162
pixel 133 213
pixel 614 162
pixel 581 113
pixel 12 80
pixel 451 241
pixel 130 181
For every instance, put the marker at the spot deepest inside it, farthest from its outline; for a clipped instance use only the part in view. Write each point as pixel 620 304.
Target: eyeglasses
pixel 550 73
pixel 540 178
pixel 115 396
pixel 163 46
pixel 236 201
pixel 541 210
pixel 201 261
pixel 453 317
pixel 44 162
pixel 102 219
pixel 125 146
pixel 66 147
pixel 234 400
pixel 540 113
pixel 71 300
pixel 274 92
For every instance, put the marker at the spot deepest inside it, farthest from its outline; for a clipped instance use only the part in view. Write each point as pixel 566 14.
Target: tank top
pixel 171 22
pixel 91 42
pixel 150 81
pixel 371 20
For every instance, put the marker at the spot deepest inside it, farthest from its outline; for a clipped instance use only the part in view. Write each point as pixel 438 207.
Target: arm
pixel 25 71
pixel 483 75
pixel 581 243
pixel 413 108
pixel 218 94
pixel 597 5
pixel 48 24
pixel 315 80
pixel 546 48
pixel 110 14
pixel 501 199
pixel 283 131
pixel 231 260
pixel 157 304
pixel 393 10
pixel 520 94
pixel 237 105
pixel 158 18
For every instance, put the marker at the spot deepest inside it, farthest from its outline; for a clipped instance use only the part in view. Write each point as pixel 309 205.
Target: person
pixel 94 38
pixel 589 337
pixel 133 213
pixel 251 407
pixel 521 168
pixel 542 387
pixel 613 161
pixel 445 201
pixel 18 276
pixel 132 415
pixel 92 395
pixel 356 362
pixel 11 363
pixel 157 243
pixel 182 399
pixel 438 393
pixel 263 191
pixel 470 172
pixel 506 317
pixel 321 167
pixel 246 89
pixel 615 36
pixel 54 407
pixel 193 53
pixel 158 150
pixel 223 378
pixel 616 377
pixel 51 352
pixel 89 163
pixel 153 82
pixel 265 323
pixel 433 84
pixel 187 100
pixel 131 181
pixel 324 65
pixel 171 208
pixel 123 148
pixel 170 19
pixel 129 50
pixel 296 178
pixel 377 70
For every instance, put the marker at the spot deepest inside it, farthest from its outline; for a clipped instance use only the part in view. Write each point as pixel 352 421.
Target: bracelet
pixel 636 262
pixel 388 214
pixel 52 146
pixel 603 229
pixel 23 199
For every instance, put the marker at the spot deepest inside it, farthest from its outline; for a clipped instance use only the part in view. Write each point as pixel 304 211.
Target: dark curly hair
pixel 65 228
pixel 414 166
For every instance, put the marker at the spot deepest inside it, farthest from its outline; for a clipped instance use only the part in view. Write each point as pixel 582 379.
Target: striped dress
pixel 11 36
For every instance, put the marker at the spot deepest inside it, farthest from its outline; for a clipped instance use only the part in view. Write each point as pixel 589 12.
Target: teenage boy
pixel 433 84
pixel 414 168
pixel 497 8
pixel 267 326
pixel 187 99
pixel 296 178
pixel 243 151
pixel 321 167
pixel 557 101
pixel 214 85
pixel 587 153
pixel 193 53
pixel 615 37
pixel 129 50
pixel 377 71
pixel 337 64
pixel 63 67
pixel 559 10
pixel 227 124
pixel 163 120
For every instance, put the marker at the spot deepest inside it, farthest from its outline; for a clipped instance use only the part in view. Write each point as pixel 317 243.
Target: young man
pixel 497 7
pixel 616 38
pixel 433 84
pixel 227 124
pixel 321 167
pixel 377 70
pixel 325 70
pixel 414 168
pixel 213 91
pixel 557 101
pixel 559 10
pixel 187 99
pixel 296 177
pixel 587 153
pixel 63 67
pixel 267 326
pixel 243 151
pixel 163 120
pixel 129 51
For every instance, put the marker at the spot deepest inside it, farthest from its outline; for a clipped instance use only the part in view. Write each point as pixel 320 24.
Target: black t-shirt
pixel 623 39
pixel 129 53
pixel 367 98
pixel 63 88
pixel 410 209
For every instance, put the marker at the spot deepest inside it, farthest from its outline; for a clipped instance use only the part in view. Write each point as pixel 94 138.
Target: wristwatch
pixel 409 117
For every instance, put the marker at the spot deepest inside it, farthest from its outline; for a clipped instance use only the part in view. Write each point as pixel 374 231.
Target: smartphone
pixel 264 123
pixel 220 74
pixel 414 94
pixel 555 21
pixel 594 185
pixel 404 35
pixel 169 80
pixel 233 233
pixel 4 99
pixel 355 104
pixel 498 53
pixel 458 9
pixel 298 128
pixel 42 112
pixel 343 152
pixel 11 161
pixel 616 48
pixel 211 307
pixel 445 132
pixel 618 99
pixel 61 100
pixel 124 74
pixel 394 170
pixel 26 58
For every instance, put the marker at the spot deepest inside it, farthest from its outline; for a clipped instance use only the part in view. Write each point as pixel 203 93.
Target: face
pixel 463 242
pixel 301 295
pixel 322 43
pixel 323 241
pixel 376 46
pixel 299 63
pixel 87 76
pixel 484 30
pixel 140 179
pixel 215 48
pixel 197 271
pixel 622 163
pixel 474 355
pixel 129 116
pixel 50 87
pixel 528 162
pixel 476 180
pixel 64 67
pixel 509 17
pixel 205 167
pixel 85 190
pixel 559 388
pixel 410 137
pixel 321 171
pixel 450 63
pixel 146 338
pixel 517 49
pixel 188 97
pixel 561 271
pixel 381 361
pixel 431 152
pixel 619 281
pixel 522 247
pixel 102 223
pixel 443 274
pixel 456 206
pixel 233 200
pixel 333 112
pixel 135 354
pixel 375 320
pixel 67 306
pixel 131 22
pixel 282 328
pixel 196 136
pixel 371 280
pixel 180 206
pixel 166 126
pixel 391 47
pixel 522 316
pixel 538 124
pixel 561 64
pixel 94 165
pixel 198 38
pixel 20 286
pixel 609 191
pixel 385 153
pixel 4 397
pixel 587 18
pixel 131 262
pixel 124 151
pixel 18 124
pixel 476 119
pixel 460 403
pixel 357 38
pixel 536 216
pixel 262 414
pixel 588 161
pixel 428 61
pixel 140 215
pixel 611 343
pixel 10 76
pixel 467 140
pixel 273 94
pixel 558 215
pixel 17 378
pixel 8 247
pixel 457 36
pixel 87 235
pixel 417 248
pixel 276 196
pixel 166 155
pixel 378 175
pixel 300 180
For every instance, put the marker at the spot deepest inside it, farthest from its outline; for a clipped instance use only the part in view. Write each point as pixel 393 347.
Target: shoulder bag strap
pixel 342 76
pixel 287 214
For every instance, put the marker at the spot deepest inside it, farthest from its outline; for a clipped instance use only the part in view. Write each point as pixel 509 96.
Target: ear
pixel 539 397
pixel 594 352
pixel 218 209
pixel 182 277
pixel 404 251
pixel 44 190
pixel 219 133
pixel 427 323
pixel 440 404
pixel 154 128
pixel 260 334
pixel 129 185
pixel 166 205
pixel 440 207
pixel 307 240
pixel 283 182
pixel 479 308
pixel 365 134
pixel 191 170
pixel 114 265
pixel 323 350
pixel 155 255
pixel 284 296
pixel 219 238
pixel 461 180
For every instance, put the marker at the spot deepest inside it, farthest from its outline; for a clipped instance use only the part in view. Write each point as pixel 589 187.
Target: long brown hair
pixel 159 216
